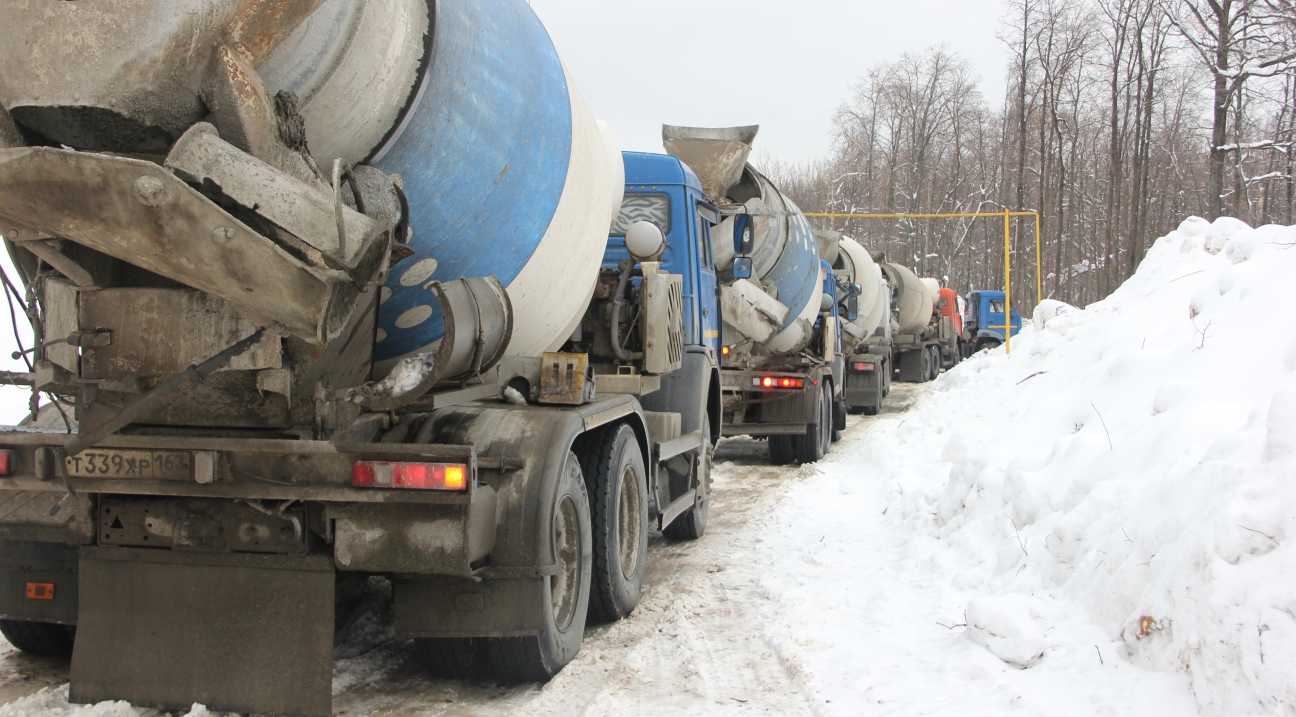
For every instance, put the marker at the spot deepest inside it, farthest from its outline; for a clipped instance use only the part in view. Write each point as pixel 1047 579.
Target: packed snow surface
pixel 1096 524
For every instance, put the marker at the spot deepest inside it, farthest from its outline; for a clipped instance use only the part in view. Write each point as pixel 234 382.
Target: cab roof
pixel 642 168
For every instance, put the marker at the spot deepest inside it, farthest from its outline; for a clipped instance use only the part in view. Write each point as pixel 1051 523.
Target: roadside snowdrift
pixel 1137 458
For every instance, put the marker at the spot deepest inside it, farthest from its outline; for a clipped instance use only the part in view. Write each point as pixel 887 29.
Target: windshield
pixel 655 208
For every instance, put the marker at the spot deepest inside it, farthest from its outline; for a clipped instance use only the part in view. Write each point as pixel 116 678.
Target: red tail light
pixel 864 366
pixel 778 382
pixel 415 476
pixel 6 462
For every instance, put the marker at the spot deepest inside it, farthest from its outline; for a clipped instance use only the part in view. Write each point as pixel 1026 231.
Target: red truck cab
pixel 950 304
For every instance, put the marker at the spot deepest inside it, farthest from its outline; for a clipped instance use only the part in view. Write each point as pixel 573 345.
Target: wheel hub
pixel 564 586
pixel 629 512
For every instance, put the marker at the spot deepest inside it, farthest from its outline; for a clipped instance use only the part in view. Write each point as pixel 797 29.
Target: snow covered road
pixel 805 597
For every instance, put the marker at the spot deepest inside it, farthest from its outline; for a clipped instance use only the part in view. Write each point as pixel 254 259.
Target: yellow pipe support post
pixel 1007 283
pixel 1007 219
pixel 1039 264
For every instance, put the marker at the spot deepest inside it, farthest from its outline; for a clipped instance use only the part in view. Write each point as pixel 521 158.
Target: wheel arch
pixel 714 407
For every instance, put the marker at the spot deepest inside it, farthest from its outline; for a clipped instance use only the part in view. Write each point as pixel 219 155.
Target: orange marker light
pixel 454 478
pixel 40 591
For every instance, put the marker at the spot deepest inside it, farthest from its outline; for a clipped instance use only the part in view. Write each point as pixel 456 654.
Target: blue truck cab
pixel 652 330
pixel 983 323
pixel 662 190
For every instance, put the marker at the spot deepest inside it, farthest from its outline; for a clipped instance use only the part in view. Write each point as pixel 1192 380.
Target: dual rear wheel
pixel 599 531
pixel 814 444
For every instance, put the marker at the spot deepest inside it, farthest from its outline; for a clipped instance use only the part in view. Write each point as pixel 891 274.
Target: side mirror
pixel 742 267
pixel 744 235
pixel 707 211
pixel 852 308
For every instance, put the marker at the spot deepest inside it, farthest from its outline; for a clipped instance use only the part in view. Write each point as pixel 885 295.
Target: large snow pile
pixel 1136 459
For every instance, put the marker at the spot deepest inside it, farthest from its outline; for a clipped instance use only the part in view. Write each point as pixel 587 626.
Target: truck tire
pixel 454 658
pixel 813 444
pixel 934 362
pixel 926 363
pixel 538 658
pixel 691 524
pixel 782 450
pixel 46 639
pixel 617 483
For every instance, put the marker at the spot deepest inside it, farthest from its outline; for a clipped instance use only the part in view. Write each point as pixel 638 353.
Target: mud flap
pixel 240 633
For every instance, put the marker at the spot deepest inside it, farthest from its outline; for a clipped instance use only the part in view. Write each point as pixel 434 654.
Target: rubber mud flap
pixel 238 633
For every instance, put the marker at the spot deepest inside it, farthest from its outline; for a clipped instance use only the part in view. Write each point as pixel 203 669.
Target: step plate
pixel 238 633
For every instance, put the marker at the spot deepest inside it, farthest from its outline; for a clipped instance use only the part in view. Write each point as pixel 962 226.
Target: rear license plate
pixel 146 465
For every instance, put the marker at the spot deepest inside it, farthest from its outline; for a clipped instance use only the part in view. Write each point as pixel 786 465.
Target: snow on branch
pixel 1266 144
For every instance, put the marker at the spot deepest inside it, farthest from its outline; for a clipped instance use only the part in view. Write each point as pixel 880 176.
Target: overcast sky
pixel 783 64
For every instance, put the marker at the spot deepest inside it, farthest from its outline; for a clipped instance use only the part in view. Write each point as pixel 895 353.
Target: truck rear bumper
pixel 753 408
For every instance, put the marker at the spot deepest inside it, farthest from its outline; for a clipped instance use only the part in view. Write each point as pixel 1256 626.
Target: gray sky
pixel 785 65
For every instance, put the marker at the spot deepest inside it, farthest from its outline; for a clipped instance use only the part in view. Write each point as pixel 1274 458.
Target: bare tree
pixel 1104 130
pixel 1236 40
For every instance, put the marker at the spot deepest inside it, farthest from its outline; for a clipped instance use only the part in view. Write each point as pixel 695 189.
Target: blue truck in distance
pixel 983 322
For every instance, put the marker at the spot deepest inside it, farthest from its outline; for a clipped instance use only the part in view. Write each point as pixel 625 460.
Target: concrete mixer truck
pixel 781 362
pixel 322 290
pixel 866 330
pixel 928 325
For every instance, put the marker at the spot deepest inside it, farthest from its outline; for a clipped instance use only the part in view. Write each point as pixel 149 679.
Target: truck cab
pixel 663 191
pixel 984 324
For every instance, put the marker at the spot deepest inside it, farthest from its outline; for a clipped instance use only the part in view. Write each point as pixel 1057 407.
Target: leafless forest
pixel 1121 118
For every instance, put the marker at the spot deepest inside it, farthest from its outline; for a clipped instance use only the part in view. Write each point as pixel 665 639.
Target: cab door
pixel 708 296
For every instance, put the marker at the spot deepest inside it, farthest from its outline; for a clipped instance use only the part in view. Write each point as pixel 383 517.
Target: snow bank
pixel 1136 460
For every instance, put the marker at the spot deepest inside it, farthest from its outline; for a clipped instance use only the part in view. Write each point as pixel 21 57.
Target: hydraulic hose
pixel 617 303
